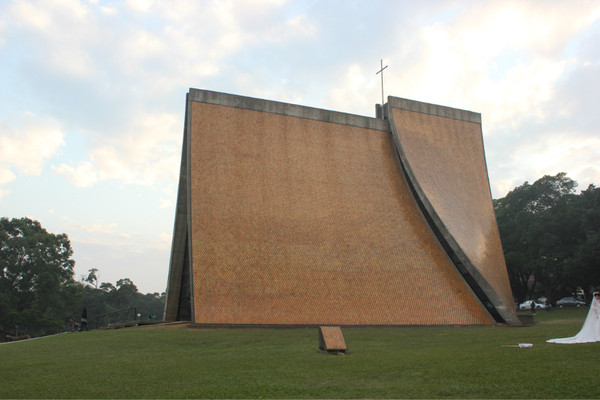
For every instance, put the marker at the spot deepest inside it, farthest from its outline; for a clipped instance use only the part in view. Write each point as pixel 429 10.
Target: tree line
pixel 38 291
pixel 550 238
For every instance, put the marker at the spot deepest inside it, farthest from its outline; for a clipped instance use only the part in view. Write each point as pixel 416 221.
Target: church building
pixel 296 216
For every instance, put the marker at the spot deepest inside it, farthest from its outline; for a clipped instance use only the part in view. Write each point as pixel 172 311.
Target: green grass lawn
pixel 178 362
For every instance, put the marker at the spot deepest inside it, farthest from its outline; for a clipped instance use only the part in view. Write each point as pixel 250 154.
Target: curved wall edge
pixel 491 301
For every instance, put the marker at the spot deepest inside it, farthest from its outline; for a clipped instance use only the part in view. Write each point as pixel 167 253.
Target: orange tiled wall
pixel 296 221
pixel 447 158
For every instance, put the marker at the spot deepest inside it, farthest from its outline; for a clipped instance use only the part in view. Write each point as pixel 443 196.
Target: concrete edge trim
pixel 188 226
pixel 434 109
pixel 431 215
pixel 291 110
pixel 316 326
pixel 179 234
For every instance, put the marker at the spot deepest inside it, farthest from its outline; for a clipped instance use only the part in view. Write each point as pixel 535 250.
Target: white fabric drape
pixel 590 331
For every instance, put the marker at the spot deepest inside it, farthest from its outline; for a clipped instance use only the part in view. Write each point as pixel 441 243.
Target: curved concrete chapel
pixel 291 215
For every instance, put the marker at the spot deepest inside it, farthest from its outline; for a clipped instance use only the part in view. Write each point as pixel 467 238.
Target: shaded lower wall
pixel 302 221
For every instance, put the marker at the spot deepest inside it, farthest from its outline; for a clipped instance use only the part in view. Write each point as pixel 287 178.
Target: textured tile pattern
pixel 331 338
pixel 447 158
pixel 297 221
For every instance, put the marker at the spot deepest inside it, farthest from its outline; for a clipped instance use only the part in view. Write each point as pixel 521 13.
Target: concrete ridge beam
pixel 292 110
pixel 434 109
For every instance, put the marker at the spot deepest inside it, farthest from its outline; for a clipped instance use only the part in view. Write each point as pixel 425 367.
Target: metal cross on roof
pixel 381 70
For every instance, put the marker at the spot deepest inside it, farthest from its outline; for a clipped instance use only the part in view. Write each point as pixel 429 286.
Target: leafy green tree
pixel 107 287
pixel 588 261
pixel 523 217
pixel 36 274
pixel 126 293
pixel 587 257
pixel 38 292
pixel 151 304
pixel 549 236
pixel 548 191
pixel 92 277
pixel 112 299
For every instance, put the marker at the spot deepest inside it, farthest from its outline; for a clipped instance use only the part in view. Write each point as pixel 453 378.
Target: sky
pixel 92 96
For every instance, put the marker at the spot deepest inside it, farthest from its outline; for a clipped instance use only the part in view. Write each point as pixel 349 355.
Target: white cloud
pixel 302 25
pixel 165 203
pixel 60 31
pixel 109 10
pixel 25 13
pixel 488 50
pixel 83 175
pixel 97 228
pixel 2 29
pixel 140 5
pixel 498 27
pixel 522 92
pixel 27 142
pixel 140 46
pixel 6 175
pixel 355 90
pixel 164 241
pixel 147 153
pixel 96 232
pixel 126 69
pixel 4 193
pixel 579 157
